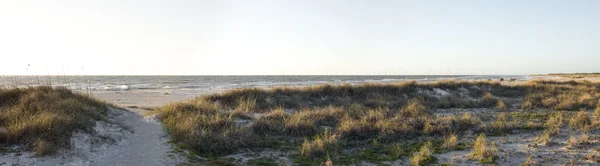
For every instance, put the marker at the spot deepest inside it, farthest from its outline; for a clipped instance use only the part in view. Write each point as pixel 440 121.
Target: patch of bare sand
pixel 141 101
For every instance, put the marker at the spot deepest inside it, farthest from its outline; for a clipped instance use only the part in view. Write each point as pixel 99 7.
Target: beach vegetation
pixel 43 119
pixel 423 156
pixel 483 151
pixel 318 120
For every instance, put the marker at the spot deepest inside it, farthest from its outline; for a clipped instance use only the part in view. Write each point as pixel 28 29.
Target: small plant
pixel 580 121
pixel 450 141
pixel 246 105
pixel 554 123
pixel 501 106
pixel 544 138
pixel 396 151
pixel 320 146
pixel 529 162
pixel 502 123
pixel 482 151
pixel 423 157
pixel 356 110
pixel 584 138
pixel 328 162
pixel 488 99
pixel 571 142
pixel 415 109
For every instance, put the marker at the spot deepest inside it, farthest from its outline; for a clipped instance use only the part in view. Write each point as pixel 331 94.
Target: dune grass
pixel 42 119
pixel 423 156
pixel 318 119
pixel 575 75
pixel 320 146
pixel 484 151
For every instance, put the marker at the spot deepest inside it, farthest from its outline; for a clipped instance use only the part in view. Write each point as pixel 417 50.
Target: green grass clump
pixel 320 146
pixel 501 106
pixel 554 123
pixel 450 141
pixel 423 157
pixel 580 120
pixel 483 151
pixel 272 123
pixel 415 109
pixel 44 118
pixel 488 99
pixel 502 124
pixel 545 138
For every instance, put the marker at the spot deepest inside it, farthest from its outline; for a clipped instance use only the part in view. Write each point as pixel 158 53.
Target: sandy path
pixel 146 146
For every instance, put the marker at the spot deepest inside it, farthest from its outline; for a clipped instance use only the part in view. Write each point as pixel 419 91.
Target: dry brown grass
pixel 44 118
pixel 529 162
pixel 544 139
pixel 388 113
pixel 450 141
pixel 501 106
pixel 423 156
pixel 415 109
pixel 320 146
pixel 580 120
pixel 502 124
pixel 372 95
pixel 570 95
pixel 201 126
pixel 575 75
pixel 483 151
pixel 488 99
pixel 554 123
pixel 571 142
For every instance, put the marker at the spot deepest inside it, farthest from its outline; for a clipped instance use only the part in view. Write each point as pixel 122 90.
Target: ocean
pixel 196 84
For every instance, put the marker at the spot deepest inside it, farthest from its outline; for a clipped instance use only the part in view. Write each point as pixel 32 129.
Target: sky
pixel 298 37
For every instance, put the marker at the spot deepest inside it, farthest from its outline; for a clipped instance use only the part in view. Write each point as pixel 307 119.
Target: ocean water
pixel 214 83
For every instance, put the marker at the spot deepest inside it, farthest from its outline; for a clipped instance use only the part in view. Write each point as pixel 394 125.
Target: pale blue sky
pixel 259 37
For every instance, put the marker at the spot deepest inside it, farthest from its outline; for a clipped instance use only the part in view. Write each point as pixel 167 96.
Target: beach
pixel 155 91
pixel 476 105
pixel 141 100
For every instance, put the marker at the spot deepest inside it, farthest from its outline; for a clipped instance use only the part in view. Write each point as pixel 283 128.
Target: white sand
pixel 147 146
pixel 141 98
